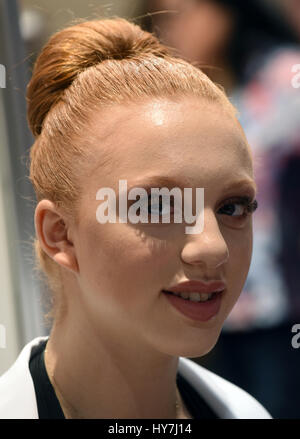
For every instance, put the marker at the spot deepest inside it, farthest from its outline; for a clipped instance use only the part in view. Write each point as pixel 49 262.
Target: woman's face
pixel 292 8
pixel 199 30
pixel 123 267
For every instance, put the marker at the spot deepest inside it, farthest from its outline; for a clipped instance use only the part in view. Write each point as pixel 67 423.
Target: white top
pixel 18 400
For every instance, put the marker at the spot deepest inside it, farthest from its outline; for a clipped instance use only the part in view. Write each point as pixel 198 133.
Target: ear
pixel 53 234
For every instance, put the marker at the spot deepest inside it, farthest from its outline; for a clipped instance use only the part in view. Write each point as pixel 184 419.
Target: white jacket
pixel 18 400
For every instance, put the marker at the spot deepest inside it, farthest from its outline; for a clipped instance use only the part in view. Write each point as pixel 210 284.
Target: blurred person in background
pixel 292 10
pixel 227 37
pixel 250 51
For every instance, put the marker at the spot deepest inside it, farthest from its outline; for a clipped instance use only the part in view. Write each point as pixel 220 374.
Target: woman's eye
pixel 161 207
pixel 239 207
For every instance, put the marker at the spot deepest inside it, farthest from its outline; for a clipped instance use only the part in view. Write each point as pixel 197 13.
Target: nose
pixel 208 247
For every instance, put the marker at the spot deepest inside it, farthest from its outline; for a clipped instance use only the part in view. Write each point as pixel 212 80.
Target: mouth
pixel 194 296
pixel 196 306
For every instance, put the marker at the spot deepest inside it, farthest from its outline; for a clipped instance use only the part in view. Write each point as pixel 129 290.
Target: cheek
pixel 120 262
pixel 236 271
pixel 240 253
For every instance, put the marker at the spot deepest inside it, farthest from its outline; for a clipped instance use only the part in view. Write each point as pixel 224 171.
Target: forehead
pixel 188 135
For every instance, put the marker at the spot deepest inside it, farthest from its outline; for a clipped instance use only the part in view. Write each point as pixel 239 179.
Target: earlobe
pixel 67 260
pixel 52 233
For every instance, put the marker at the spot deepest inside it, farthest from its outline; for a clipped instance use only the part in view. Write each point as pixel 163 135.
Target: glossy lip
pixel 196 311
pixel 197 286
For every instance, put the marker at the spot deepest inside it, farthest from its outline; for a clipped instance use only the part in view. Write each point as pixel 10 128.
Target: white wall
pixel 9 324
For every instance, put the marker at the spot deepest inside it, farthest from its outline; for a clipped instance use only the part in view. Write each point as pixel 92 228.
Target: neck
pixel 101 377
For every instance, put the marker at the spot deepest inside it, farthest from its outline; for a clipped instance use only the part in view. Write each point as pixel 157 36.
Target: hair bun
pixel 74 49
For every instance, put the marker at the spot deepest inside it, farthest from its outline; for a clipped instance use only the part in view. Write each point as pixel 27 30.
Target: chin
pixel 197 352
pixel 199 347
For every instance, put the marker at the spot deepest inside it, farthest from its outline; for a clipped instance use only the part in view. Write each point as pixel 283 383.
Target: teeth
pixel 195 297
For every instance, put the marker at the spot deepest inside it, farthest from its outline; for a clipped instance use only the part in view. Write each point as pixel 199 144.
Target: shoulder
pixel 17 394
pixel 227 399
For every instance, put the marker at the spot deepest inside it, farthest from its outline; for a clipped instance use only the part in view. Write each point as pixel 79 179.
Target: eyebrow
pixel 161 181
pixel 238 183
pixel 184 182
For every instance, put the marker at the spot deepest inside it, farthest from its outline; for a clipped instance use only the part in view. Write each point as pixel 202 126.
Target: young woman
pixel 107 102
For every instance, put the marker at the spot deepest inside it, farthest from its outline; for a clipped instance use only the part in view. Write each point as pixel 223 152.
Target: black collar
pixel 49 406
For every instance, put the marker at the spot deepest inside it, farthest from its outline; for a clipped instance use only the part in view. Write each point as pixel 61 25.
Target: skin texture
pixel 115 351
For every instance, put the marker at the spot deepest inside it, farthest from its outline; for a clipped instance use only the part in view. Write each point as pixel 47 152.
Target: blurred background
pixel 251 48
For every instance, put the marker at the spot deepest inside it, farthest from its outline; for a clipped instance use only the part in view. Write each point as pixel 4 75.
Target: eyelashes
pixel 252 206
pixel 233 211
pixel 247 203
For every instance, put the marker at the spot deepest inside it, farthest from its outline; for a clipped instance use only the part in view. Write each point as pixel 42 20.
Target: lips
pixel 197 286
pixel 202 311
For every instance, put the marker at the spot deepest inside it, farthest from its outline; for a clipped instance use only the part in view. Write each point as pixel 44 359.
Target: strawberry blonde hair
pixel 82 69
